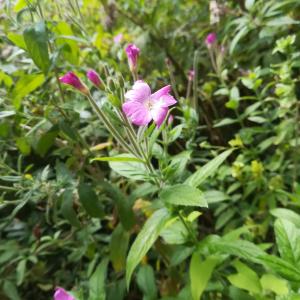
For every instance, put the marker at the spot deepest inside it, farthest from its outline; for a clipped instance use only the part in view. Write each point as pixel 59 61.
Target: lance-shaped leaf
pixel 145 239
pixel 208 169
pixel 36 41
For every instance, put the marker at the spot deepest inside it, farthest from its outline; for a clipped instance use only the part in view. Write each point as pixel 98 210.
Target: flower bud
pixel 94 78
pixel 191 75
pixel 132 52
pixel 210 39
pixel 72 79
pixel 170 120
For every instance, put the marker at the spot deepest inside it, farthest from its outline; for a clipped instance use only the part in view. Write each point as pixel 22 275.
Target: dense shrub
pixel 113 191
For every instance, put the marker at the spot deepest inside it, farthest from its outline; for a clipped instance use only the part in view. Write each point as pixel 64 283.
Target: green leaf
pixel 68 130
pixel 200 273
pixel 225 122
pixel 67 209
pixel 20 4
pixel 175 232
pixel 145 239
pixel 207 170
pixel 20 271
pixel 175 133
pixel 25 85
pixel 10 290
pixel 177 166
pixel 279 286
pixel 245 279
pixel 6 113
pixel 283 268
pixel 215 196
pixel 130 168
pixel 237 38
pixel 116 158
pixel 183 194
pixel 118 248
pixel 116 290
pixel 90 201
pixel 97 282
pixel 71 49
pixel 286 214
pixel 240 248
pixel 281 21
pixel 6 79
pixel 17 39
pixel 238 294
pixel 288 240
pixel 23 145
pixel 146 282
pixel 225 217
pixel 36 41
pixel 124 207
pixel 46 141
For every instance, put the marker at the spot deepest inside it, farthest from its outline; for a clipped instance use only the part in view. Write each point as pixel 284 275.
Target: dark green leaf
pixel 90 201
pixel 146 282
pixel 67 209
pixel 36 41
pixel 118 248
pixel 124 207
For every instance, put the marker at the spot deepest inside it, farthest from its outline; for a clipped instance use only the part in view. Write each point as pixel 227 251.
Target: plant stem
pixel 195 82
pixel 108 124
pixel 296 145
pixel 188 228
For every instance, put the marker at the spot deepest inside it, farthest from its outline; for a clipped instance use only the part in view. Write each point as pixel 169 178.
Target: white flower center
pixel 148 104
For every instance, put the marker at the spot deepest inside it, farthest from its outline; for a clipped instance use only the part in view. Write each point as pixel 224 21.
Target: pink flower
pixel 132 52
pixel 141 106
pixel 61 294
pixel 191 75
pixel 94 78
pixel 210 39
pixel 71 79
pixel 118 38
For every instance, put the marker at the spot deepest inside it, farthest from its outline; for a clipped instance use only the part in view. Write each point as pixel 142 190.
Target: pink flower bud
pixel 132 52
pixel 61 294
pixel 210 39
pixel 71 79
pixel 94 78
pixel 170 119
pixel 191 75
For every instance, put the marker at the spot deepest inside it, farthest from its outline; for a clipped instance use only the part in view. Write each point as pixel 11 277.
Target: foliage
pixel 204 206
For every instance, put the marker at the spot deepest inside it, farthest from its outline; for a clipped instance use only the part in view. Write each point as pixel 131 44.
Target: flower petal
pixel 167 100
pixel 137 112
pixel 162 97
pixel 162 92
pixel 61 294
pixel 140 92
pixel 159 114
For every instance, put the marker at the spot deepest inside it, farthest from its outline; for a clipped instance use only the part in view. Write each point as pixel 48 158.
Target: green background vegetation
pixel 234 144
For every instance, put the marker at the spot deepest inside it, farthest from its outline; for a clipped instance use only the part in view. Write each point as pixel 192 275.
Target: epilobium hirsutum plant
pixel 176 193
